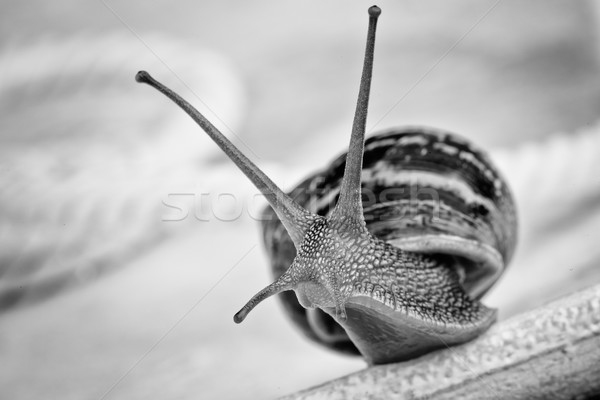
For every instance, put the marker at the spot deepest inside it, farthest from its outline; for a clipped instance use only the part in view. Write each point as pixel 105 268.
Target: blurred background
pixel 127 241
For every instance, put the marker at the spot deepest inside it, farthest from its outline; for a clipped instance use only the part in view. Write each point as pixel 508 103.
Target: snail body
pixel 397 274
pixel 433 193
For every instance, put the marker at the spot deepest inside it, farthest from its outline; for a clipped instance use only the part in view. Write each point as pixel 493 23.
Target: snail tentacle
pixel 318 275
pixel 349 205
pixel 294 217
pixel 283 283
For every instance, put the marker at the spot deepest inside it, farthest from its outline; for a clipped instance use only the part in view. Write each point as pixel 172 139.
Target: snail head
pixel 319 274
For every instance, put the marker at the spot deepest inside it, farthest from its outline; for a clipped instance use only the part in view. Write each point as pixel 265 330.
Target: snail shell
pixel 425 190
pixel 374 281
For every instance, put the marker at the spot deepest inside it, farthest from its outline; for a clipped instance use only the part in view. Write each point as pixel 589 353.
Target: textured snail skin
pixel 414 301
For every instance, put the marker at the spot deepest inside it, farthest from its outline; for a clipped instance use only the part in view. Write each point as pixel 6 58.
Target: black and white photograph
pixel 299 200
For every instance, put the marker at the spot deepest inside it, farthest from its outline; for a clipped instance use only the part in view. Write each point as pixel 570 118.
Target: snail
pixel 366 278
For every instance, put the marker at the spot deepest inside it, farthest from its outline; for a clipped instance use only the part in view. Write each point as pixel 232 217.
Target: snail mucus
pixel 365 278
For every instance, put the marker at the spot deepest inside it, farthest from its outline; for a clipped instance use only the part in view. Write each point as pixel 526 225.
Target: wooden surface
pixel 547 353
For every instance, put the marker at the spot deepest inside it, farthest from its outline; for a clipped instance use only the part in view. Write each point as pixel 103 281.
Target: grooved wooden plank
pixel 546 353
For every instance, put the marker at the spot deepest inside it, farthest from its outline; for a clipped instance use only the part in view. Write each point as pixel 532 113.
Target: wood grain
pixel 549 352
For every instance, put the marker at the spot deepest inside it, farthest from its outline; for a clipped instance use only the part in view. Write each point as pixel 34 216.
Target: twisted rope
pixel 87 156
pixel 557 177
